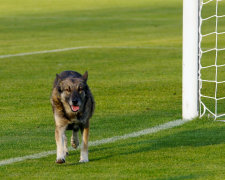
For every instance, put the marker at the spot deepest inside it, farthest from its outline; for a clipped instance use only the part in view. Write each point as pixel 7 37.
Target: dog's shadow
pixel 73 164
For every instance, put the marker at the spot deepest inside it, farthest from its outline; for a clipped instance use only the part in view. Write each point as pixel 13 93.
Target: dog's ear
pixel 85 76
pixel 58 80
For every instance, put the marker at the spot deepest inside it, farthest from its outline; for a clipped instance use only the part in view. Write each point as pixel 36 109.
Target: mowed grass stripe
pixel 152 130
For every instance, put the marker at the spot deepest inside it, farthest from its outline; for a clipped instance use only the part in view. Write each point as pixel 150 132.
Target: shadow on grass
pixel 191 176
pixel 192 138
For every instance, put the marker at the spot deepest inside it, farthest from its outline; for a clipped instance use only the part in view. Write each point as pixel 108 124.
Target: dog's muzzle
pixel 75 106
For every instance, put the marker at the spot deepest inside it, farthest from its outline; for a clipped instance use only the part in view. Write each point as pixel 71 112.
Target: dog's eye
pixel 80 91
pixel 68 89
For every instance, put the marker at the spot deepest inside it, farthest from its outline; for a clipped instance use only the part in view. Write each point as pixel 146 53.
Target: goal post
pixel 190 93
pixel 203 76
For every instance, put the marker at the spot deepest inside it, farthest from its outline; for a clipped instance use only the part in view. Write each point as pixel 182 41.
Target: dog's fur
pixel 73 106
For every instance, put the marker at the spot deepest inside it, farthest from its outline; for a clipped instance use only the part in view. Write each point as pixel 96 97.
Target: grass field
pixel 134 62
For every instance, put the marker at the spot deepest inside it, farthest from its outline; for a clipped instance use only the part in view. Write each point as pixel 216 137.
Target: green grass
pixel 134 89
pixel 52 24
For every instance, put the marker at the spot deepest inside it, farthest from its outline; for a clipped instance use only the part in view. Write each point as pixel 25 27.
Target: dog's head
pixel 73 91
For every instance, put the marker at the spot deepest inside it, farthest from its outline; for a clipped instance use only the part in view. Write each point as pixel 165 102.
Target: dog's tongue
pixel 75 108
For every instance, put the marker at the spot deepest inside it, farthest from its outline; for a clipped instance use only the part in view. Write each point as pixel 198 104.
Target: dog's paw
pixel 83 160
pixel 60 161
pixel 75 145
pixel 83 157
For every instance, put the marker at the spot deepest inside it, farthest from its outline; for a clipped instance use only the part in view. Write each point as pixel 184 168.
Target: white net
pixel 212 57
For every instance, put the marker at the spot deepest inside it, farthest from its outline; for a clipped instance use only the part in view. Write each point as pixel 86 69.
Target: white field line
pixel 87 18
pixel 83 47
pixel 152 130
pixel 45 51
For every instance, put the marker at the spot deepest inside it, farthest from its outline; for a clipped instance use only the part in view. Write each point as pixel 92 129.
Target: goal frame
pixel 190 64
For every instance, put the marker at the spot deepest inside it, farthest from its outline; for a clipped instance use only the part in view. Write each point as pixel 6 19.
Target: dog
pixel 73 106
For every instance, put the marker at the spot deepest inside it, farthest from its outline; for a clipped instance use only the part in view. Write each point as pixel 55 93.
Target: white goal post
pixel 190 93
pixel 203 76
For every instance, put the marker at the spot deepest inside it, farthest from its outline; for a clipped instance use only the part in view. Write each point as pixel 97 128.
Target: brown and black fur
pixel 70 90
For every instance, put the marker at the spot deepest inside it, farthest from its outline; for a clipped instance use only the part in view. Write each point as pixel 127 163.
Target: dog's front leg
pixel 84 145
pixel 75 139
pixel 66 153
pixel 59 137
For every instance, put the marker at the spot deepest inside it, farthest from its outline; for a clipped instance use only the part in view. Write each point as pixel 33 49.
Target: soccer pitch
pixel 133 53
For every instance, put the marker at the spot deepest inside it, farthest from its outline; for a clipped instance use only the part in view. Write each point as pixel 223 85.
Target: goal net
pixel 203 72
pixel 211 71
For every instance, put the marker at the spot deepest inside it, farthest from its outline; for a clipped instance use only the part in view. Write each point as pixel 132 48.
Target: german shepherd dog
pixel 73 106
